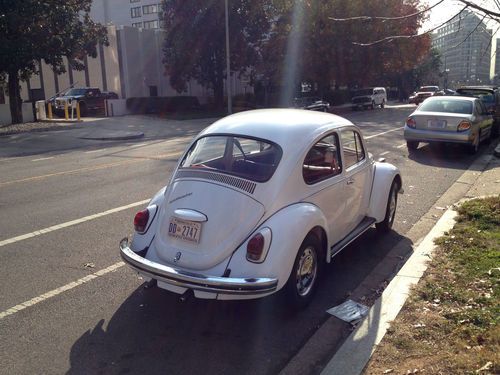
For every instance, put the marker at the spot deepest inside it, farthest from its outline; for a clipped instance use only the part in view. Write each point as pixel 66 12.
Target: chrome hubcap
pixel 306 271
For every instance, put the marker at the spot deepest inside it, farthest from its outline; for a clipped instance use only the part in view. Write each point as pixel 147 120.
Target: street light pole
pixel 228 65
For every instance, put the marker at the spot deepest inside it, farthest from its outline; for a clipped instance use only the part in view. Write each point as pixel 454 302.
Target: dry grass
pixel 449 325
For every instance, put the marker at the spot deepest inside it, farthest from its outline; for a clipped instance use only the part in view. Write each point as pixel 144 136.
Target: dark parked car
pixel 311 103
pixel 89 98
pixel 490 96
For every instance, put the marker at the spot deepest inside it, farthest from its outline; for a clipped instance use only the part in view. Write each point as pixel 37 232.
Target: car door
pixel 484 119
pixel 357 177
pixel 322 171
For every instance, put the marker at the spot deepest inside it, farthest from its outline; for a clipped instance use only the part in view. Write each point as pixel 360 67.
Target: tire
pixel 372 105
pixel 474 147
pixel 412 145
pixel 382 105
pixel 303 279
pixel 390 212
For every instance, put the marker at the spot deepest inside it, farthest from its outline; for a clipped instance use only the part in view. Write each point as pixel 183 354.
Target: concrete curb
pixel 115 136
pixel 365 338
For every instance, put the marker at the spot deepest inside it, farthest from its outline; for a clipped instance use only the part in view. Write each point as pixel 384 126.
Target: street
pixel 70 305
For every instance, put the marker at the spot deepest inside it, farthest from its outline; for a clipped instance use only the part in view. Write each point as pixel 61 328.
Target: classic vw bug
pixel 259 202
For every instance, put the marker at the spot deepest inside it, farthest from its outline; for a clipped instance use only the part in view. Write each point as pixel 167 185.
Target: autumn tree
pixel 34 30
pixel 332 53
pixel 194 46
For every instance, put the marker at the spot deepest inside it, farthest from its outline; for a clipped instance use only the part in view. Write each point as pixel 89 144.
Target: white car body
pixel 284 209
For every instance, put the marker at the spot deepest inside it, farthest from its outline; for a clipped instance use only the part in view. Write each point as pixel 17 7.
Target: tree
pixel 35 30
pixel 330 52
pixel 194 47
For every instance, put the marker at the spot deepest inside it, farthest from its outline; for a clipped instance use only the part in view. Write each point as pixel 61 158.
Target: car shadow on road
pixel 153 332
pixel 452 156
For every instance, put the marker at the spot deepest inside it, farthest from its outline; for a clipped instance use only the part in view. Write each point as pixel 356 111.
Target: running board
pixel 366 223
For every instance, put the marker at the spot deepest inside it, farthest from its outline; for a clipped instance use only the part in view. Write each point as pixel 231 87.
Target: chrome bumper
pixel 185 279
pixel 422 135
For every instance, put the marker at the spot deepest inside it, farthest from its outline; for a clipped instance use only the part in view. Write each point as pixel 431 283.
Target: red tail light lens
pixel 141 220
pixel 463 126
pixel 411 123
pixel 255 247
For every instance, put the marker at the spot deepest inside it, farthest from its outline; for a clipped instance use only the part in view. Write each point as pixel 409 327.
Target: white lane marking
pixel 60 290
pixel 402 145
pixel 70 223
pixel 40 159
pixel 139 145
pixel 92 151
pixel 10 159
pixel 384 153
pixel 388 131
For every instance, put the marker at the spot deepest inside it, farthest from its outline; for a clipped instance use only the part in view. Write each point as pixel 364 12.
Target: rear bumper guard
pixel 195 281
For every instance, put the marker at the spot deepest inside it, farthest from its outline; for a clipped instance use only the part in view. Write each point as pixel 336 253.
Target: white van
pixel 369 98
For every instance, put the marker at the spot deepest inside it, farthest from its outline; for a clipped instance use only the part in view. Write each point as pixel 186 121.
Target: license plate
pixel 184 230
pixel 436 124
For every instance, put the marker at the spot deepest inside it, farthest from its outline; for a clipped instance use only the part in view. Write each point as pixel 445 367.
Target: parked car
pixel 490 96
pixel 89 98
pixel 258 203
pixel 369 98
pixel 423 93
pixel 445 92
pixel 453 119
pixel 311 103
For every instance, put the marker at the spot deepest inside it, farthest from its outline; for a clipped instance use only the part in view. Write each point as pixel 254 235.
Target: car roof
pixel 482 88
pixel 452 98
pixel 286 127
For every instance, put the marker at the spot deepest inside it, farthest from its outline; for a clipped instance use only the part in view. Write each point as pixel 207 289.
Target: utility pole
pixel 228 66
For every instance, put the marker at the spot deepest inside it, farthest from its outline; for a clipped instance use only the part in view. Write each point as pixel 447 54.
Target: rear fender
pixel 142 241
pixel 384 175
pixel 289 228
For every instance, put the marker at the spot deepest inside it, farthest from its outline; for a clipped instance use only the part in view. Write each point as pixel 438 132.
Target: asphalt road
pixel 68 305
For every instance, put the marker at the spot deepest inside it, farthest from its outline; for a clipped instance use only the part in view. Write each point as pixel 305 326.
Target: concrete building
pixel 465 47
pixel 135 13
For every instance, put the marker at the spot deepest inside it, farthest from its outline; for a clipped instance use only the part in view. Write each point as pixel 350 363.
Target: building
pixel 136 13
pixel 497 63
pixel 465 47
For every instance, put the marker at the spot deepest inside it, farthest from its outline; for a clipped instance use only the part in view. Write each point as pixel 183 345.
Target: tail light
pixel 141 220
pixel 463 126
pixel 411 123
pixel 258 246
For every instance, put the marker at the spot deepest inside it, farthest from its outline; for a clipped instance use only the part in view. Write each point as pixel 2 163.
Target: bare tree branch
pixel 480 8
pixel 369 18
pixel 393 37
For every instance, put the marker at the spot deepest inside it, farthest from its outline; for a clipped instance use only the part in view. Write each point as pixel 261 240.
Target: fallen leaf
pixel 486 367
pixel 89 265
pixel 388 371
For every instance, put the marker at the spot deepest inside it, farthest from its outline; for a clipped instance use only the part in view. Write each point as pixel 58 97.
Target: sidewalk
pixel 356 350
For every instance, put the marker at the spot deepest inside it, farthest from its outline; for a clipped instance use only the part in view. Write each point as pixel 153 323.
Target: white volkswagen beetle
pixel 259 202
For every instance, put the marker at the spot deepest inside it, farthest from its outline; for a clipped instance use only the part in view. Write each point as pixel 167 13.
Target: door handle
pixel 350 181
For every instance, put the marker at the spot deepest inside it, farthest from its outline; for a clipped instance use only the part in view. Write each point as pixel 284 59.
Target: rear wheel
pixel 83 109
pixel 303 279
pixel 412 145
pixel 474 147
pixel 382 105
pixel 373 105
pixel 390 212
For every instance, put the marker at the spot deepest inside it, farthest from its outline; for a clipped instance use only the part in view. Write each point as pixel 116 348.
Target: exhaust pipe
pixel 186 295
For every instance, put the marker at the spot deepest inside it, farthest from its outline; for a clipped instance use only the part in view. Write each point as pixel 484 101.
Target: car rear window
pixel 253 159
pixel 486 97
pixel 447 106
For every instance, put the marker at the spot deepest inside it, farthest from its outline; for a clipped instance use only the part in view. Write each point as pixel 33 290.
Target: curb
pixel 114 137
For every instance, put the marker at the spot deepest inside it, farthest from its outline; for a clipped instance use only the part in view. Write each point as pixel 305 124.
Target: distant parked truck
pixel 90 99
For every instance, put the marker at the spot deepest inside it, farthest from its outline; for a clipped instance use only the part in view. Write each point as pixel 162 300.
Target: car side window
pixel 322 161
pixel 352 147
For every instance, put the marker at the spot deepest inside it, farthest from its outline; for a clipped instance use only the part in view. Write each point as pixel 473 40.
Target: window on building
pixel 150 9
pixel 137 24
pixel 134 1
pixel 135 12
pixel 151 24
